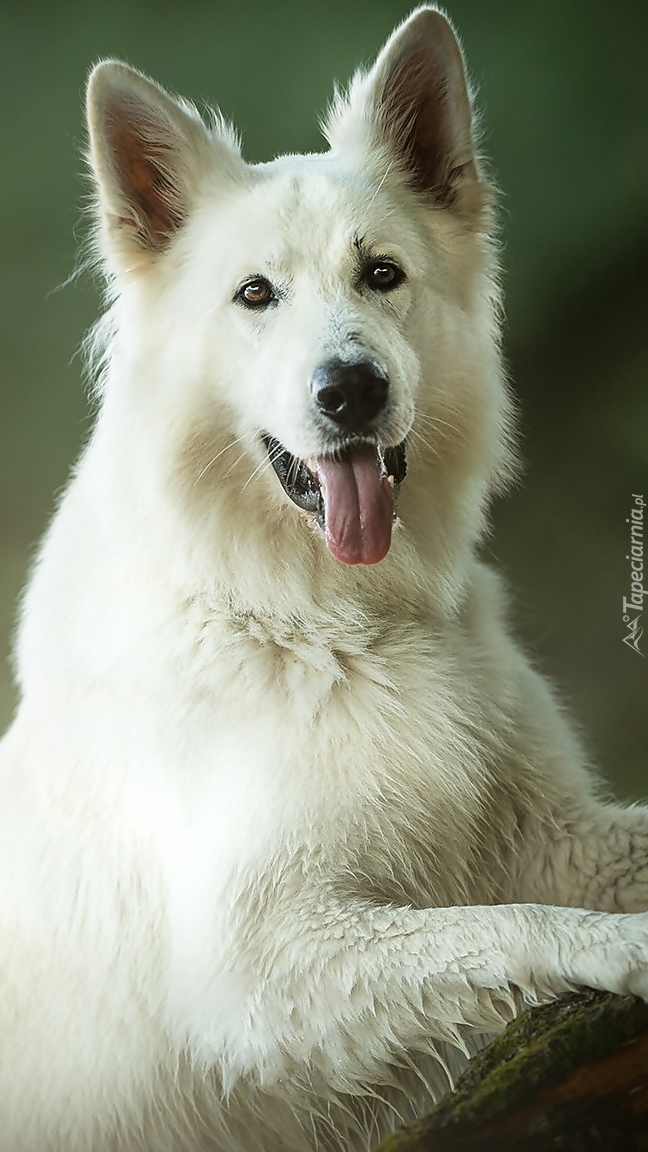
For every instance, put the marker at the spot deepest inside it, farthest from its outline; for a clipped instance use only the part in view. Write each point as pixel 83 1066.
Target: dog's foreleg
pixel 339 993
pixel 598 860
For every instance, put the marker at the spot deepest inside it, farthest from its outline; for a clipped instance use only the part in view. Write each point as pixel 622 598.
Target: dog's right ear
pixel 150 155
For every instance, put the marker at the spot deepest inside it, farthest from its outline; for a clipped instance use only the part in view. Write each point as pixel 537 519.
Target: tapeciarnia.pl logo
pixel 633 606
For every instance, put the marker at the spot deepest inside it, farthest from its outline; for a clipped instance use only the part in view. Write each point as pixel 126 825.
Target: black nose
pixel 350 394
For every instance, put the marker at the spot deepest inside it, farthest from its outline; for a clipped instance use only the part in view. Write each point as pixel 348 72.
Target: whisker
pixel 378 189
pixel 210 464
pixel 234 465
pixel 436 422
pixel 266 463
pixel 293 470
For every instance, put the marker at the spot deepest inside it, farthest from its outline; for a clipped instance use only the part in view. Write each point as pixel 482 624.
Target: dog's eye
pixel 256 293
pixel 382 275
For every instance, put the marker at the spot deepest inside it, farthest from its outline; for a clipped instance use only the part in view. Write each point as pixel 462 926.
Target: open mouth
pixel 352 495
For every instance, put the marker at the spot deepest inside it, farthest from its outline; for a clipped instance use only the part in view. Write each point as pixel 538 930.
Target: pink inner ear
pixel 143 160
pixel 415 106
pixel 424 106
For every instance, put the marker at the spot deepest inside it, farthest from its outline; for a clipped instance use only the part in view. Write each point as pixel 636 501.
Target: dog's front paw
pixel 612 953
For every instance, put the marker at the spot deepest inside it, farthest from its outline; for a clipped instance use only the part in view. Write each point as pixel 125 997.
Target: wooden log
pixel 571 1076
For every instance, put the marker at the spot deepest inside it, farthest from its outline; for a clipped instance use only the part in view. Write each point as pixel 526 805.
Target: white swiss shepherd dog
pixel 288 820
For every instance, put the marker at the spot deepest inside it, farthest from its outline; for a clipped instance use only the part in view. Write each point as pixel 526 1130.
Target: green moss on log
pixel 569 1075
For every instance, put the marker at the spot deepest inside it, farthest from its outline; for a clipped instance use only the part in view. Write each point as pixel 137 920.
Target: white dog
pixel 287 817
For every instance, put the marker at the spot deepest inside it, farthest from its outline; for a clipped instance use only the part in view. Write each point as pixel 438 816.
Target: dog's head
pixel 329 315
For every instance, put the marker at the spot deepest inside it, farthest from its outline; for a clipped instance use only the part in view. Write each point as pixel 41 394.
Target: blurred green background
pixel 563 91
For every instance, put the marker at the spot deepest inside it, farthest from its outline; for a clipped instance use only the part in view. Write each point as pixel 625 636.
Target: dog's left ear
pixel 415 103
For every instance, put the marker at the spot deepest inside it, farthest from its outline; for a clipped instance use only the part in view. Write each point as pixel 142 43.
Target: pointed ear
pixel 415 103
pixel 150 155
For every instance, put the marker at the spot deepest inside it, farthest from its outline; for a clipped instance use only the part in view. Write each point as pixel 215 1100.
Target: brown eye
pixel 256 294
pixel 382 275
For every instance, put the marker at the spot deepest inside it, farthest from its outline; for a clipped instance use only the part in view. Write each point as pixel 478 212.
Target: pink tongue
pixel 358 506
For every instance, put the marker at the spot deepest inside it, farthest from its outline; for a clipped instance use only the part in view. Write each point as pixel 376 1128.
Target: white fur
pixel 281 836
